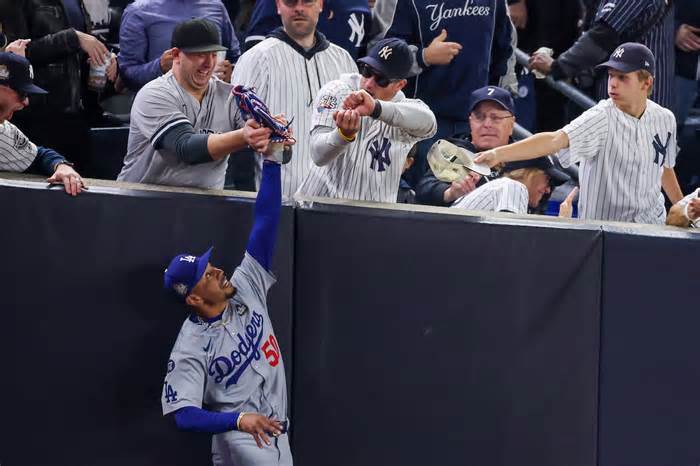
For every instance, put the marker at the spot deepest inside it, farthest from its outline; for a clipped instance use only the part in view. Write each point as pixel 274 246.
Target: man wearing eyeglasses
pixel 288 70
pixel 363 127
pixel 491 121
pixel 17 153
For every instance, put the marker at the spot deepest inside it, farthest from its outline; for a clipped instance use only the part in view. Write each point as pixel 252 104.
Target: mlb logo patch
pixel 328 102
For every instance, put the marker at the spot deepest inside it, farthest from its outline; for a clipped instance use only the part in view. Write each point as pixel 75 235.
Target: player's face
pixel 10 102
pixel 299 17
pixel 537 186
pixel 626 89
pixel 491 125
pixel 195 69
pixel 379 86
pixel 213 287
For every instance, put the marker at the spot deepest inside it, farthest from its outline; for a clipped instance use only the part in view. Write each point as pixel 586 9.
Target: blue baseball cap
pixel 492 93
pixel 556 176
pixel 16 73
pixel 392 57
pixel 629 57
pixel 184 271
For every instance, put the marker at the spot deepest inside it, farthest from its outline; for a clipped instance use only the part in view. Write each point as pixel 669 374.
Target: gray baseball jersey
pixel 288 82
pixel 233 365
pixel 500 195
pixel 622 160
pixel 16 151
pixel 370 167
pixel 163 104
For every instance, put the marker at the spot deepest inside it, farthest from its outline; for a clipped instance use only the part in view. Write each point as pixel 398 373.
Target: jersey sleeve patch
pixel 327 102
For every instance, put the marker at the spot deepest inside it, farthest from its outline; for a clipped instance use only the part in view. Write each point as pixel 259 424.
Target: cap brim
pixel 618 66
pixel 202 262
pixel 204 48
pixel 377 65
pixel 34 89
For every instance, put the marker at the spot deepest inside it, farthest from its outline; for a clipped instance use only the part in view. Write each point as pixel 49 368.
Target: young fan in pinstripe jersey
pixel 363 128
pixel 287 71
pixel 626 145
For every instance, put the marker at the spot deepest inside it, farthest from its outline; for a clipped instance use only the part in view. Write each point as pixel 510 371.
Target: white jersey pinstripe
pixel 370 167
pixel 288 83
pixel 622 160
pixel 499 195
pixel 16 151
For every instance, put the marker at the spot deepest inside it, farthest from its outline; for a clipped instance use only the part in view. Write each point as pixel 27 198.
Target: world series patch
pixel 20 140
pixel 328 102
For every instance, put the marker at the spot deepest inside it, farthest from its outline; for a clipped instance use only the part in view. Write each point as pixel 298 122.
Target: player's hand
pixel 347 121
pixel 94 49
pixel 566 208
pixel 461 187
pixel 489 157
pixel 541 62
pixel 256 136
pixel 223 70
pixel 18 47
pixel 440 52
pixel 688 38
pixel 360 101
pixel 260 427
pixel 694 209
pixel 72 182
pixel 166 61
pixel 518 14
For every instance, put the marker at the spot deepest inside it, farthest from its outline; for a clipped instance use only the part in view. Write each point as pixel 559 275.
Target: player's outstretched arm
pixel 535 146
pixel 252 134
pixel 261 243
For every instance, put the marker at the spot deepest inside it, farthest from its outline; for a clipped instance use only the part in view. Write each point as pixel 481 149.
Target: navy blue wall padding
pixel 87 327
pixel 650 360
pixel 428 339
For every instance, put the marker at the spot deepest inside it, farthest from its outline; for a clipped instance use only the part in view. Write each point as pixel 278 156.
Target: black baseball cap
pixel 493 93
pixel 629 57
pixel 556 176
pixel 16 73
pixel 391 57
pixel 197 35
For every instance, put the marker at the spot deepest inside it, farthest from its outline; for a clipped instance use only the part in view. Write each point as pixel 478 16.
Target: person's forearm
pixel 220 145
pixel 676 217
pixel 194 419
pixel 671 186
pixel 533 147
pixel 326 145
pixel 46 161
pixel 261 243
pixel 414 118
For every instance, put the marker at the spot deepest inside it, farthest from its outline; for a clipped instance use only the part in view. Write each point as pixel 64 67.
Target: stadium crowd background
pixel 132 39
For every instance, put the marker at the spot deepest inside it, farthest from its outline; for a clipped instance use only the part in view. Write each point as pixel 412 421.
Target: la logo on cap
pixel 385 52
pixel 619 52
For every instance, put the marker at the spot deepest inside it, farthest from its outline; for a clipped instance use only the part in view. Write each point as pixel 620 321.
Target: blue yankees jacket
pixel 346 23
pixel 483 29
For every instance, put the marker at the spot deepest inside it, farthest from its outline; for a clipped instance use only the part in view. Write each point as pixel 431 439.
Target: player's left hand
pixel 360 101
pixel 566 208
pixel 541 62
pixel 260 427
pixel 71 180
pixel 223 70
pixel 694 209
pixel 256 136
pixel 347 121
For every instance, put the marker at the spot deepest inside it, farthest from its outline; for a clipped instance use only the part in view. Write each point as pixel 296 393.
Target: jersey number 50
pixel 271 350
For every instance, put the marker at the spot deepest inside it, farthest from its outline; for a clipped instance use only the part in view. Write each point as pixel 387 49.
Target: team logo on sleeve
pixel 328 102
pixel 660 149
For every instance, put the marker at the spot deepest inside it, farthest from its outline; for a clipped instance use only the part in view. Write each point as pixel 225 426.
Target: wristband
pixel 377 109
pixel 238 421
pixel 346 138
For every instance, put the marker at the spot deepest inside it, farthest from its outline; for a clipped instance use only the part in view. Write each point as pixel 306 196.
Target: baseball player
pixel 184 124
pixel 288 70
pixel 225 375
pixel 363 128
pixel 17 153
pixel 522 185
pixel 626 145
pixel 686 213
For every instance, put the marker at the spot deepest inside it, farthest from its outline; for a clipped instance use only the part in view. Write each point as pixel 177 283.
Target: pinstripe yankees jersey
pixel 626 17
pixel 499 195
pixel 370 167
pixel 288 79
pixel 16 151
pixel 622 160
pixel 163 104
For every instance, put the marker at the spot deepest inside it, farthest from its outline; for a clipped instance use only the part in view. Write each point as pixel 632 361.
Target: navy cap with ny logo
pixel 629 57
pixel 391 57
pixel 16 73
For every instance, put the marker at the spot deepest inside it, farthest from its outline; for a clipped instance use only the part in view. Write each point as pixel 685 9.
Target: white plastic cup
pixel 97 78
pixel 220 56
